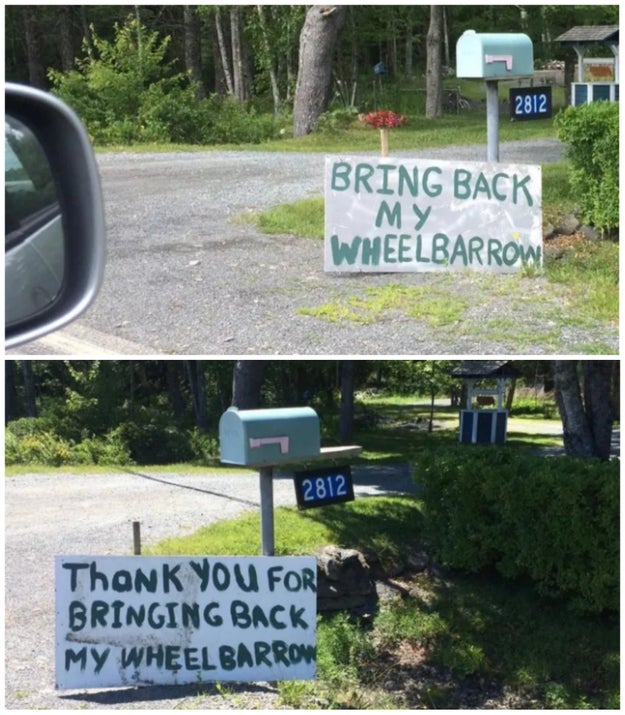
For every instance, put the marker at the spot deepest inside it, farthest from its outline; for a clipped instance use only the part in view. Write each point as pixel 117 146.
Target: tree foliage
pixel 154 411
pixel 248 54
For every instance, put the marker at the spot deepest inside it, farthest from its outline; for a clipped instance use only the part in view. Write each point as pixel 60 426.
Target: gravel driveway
pixel 64 514
pixel 185 275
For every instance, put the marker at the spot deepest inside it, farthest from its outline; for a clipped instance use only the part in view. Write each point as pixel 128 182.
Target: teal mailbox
pixel 270 436
pixel 494 55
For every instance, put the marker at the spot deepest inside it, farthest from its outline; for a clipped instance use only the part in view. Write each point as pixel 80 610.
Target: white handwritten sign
pixel 174 620
pixel 404 215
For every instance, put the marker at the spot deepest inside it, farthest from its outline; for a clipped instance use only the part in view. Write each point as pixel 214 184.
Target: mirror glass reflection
pixel 34 240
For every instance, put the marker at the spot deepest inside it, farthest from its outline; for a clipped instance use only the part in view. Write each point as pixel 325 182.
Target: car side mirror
pixel 54 216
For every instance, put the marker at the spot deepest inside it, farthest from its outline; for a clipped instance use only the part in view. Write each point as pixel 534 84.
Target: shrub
pixel 228 121
pixel 109 450
pixel 205 447
pixel 592 133
pixel 124 97
pixel 554 520
pixel 27 441
pixel 35 441
pixel 151 438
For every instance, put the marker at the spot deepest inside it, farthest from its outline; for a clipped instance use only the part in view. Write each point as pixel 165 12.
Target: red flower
pixel 385 119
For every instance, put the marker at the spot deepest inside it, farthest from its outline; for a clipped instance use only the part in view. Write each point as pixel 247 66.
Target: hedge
pixel 592 134
pixel 552 519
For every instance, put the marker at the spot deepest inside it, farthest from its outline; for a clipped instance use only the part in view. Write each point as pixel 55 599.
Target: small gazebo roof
pixel 589 35
pixel 476 369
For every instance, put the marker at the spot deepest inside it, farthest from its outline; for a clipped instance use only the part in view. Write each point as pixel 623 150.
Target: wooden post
pixel 384 141
pixel 136 537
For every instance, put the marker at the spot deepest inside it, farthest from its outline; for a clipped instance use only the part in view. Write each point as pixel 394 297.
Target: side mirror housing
pixel 54 216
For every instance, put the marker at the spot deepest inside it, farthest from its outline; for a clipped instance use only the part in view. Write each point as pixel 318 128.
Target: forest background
pixel 213 74
pixel 167 411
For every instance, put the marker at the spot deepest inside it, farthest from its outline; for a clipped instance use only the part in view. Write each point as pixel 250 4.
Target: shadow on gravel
pixel 194 489
pixel 169 692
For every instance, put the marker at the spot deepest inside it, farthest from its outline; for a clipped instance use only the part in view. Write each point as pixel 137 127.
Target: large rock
pixel 353 581
pixel 345 582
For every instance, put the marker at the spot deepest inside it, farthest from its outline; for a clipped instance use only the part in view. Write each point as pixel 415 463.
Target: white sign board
pixel 174 620
pixel 400 215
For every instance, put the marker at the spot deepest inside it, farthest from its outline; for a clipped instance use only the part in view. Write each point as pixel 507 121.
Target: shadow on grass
pixel 540 648
pixel 389 525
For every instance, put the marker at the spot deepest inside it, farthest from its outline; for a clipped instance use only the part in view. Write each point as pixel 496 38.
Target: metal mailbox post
pixel 493 56
pixel 273 437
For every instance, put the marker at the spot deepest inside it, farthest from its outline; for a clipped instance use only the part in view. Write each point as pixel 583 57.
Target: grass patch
pixel 302 218
pixel 82 469
pixel 383 520
pixel 558 195
pixel 421 133
pixel 590 270
pixel 434 308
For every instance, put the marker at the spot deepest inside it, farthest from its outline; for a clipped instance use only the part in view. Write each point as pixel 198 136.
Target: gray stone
pixel 590 233
pixel 344 582
pixel 567 225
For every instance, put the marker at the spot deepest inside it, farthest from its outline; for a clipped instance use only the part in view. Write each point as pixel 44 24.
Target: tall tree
pixel 434 66
pixel 247 381
pixel 36 70
pixel 267 59
pixel 197 382
pixel 238 64
pixel 346 418
pixel 11 410
pixel 192 48
pixel 318 42
pixel 29 389
pixel 225 63
pixel 583 394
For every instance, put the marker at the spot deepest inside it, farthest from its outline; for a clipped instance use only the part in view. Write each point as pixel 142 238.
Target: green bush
pixel 108 450
pixel 35 441
pixel 152 437
pixel 128 95
pixel 35 447
pixel 554 520
pixel 592 133
pixel 205 447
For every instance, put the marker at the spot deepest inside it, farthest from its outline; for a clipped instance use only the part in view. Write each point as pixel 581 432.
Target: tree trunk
pixel 586 416
pixel 66 49
pixel 238 74
pixel 172 375
pixel 346 419
pixel 598 406
pixel 86 32
pixel 510 395
pixel 11 410
pixel 192 48
pixel 30 400
pixel 318 41
pixel 197 382
pixel 273 78
pixel 434 68
pixel 223 54
pixel 247 381
pixel 36 70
